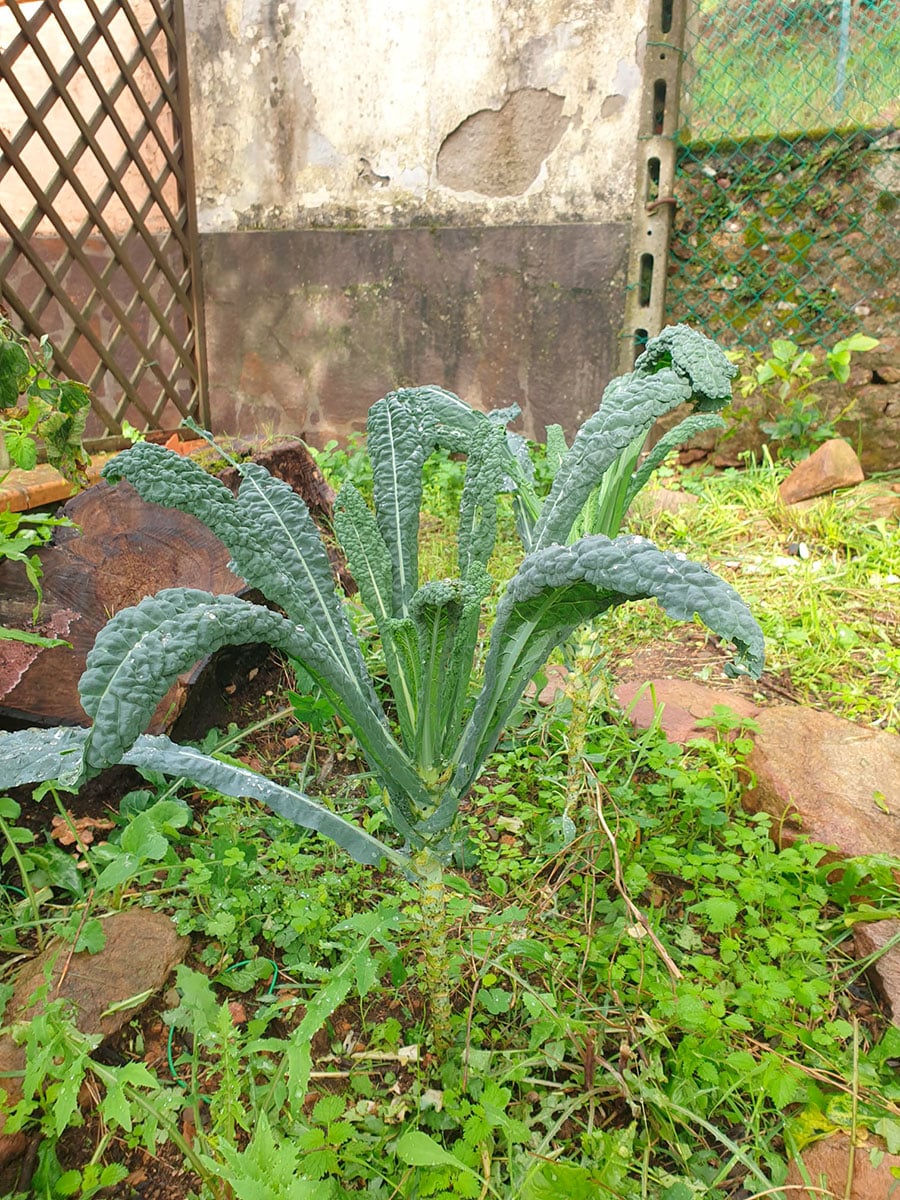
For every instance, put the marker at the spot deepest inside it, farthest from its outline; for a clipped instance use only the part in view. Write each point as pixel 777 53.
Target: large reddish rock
pixel 834 465
pixel 680 705
pixel 652 502
pixel 828 1166
pixel 834 782
pixel 873 501
pixel 140 951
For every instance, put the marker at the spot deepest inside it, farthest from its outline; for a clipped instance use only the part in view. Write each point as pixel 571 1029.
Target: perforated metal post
pixel 654 199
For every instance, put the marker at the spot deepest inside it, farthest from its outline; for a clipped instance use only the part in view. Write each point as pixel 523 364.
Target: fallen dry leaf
pixel 238 1012
pixel 61 829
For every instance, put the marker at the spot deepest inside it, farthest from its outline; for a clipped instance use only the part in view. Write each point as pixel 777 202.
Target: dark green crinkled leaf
pixel 370 565
pixel 677 366
pixel 629 407
pixel 557 448
pixel 436 611
pixel 175 481
pixel 444 420
pixel 367 556
pixel 274 543
pixel 161 754
pixel 143 649
pixel 286 560
pixel 36 755
pixel 696 359
pixel 559 588
pixel 39 755
pixel 477 530
pixel 397 452
pixel 690 427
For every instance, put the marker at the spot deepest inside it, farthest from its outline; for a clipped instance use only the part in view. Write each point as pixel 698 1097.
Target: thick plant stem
pixel 435 956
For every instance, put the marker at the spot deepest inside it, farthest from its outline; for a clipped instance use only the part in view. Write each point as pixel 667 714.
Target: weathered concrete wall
pixel 398 112
pixel 510 125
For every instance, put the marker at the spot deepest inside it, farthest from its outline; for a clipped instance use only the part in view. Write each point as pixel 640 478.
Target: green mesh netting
pixel 788 175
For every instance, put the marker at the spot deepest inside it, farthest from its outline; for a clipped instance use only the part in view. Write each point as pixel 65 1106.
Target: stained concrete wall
pixel 412 191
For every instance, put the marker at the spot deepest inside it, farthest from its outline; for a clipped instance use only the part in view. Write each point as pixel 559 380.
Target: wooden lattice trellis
pixel 98 245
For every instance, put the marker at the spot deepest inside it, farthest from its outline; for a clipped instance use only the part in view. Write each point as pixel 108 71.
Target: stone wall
pixel 410 192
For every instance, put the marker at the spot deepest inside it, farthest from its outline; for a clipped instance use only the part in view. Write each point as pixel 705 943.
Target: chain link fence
pixel 788 171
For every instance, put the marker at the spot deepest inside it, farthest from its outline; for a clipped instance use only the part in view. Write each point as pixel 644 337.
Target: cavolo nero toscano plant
pixel 427 742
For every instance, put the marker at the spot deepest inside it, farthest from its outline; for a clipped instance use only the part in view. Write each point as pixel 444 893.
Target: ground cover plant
pixel 648 1000
pixel 784 383
pixel 583 1062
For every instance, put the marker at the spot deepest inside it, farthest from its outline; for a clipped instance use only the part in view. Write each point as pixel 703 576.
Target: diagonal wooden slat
pixel 146 39
pixel 106 110
pixel 134 318
pixel 98 86
pixel 143 36
pixel 50 97
pixel 74 248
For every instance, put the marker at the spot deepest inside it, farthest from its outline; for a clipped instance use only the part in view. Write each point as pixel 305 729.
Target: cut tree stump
pixel 123 550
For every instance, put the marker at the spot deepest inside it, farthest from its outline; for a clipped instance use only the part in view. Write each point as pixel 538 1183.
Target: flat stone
pixel 557 678
pixel 140 951
pixel 650 503
pixel 680 705
pixel 834 465
pixel 827 1165
pixel 873 501
pixel 868 501
pixel 884 973
pixel 825 778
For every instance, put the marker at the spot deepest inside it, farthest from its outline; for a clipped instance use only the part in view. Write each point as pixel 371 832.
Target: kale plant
pixel 427 741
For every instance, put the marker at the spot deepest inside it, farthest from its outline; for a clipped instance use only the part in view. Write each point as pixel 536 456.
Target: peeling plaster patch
pixel 611 105
pixel 367 175
pixel 628 78
pixel 500 152
pixel 543 60
pixel 320 152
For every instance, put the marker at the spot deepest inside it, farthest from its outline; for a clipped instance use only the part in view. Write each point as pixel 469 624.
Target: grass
pixel 831 620
pixel 757 76
pixel 651 1001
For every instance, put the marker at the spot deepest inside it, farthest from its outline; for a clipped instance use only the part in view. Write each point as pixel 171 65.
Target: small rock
pixel 825 778
pixel 827 1164
pixel 140 951
pixel 872 938
pixel 874 501
pixel 557 675
pixel 834 465
pixel 664 500
pixel 680 703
